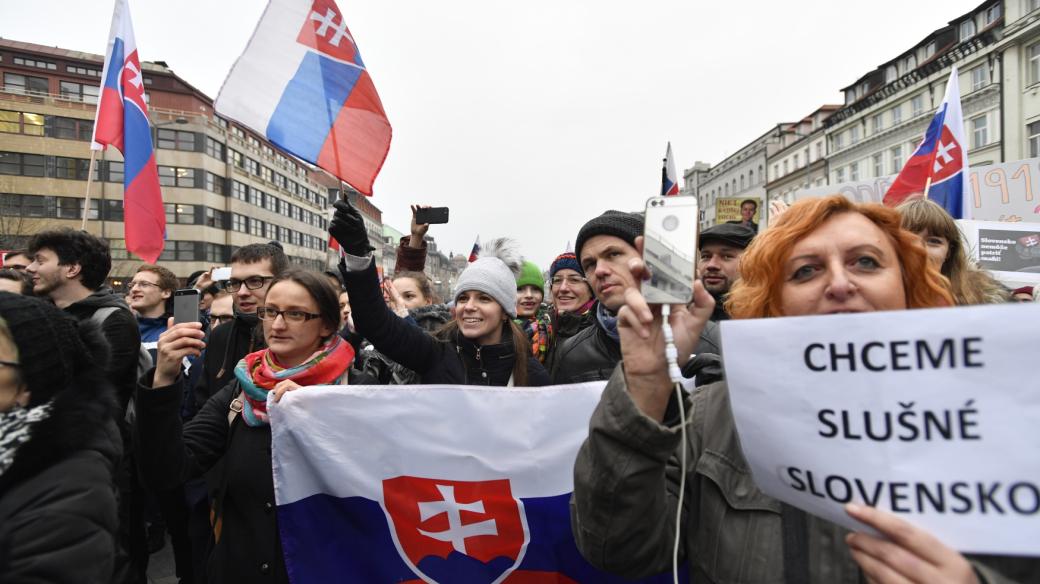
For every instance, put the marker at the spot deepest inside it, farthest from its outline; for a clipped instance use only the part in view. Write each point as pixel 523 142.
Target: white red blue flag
pixel 431 483
pixel 302 84
pixel 122 122
pixel 938 167
pixel 475 252
pixel 669 178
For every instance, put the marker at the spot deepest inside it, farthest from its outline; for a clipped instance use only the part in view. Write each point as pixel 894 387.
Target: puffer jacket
pixel 454 360
pixel 58 515
pixel 626 482
pixel 389 372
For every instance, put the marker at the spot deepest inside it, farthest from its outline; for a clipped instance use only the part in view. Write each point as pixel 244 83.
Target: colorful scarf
pixel 259 373
pixel 539 330
pixel 16 427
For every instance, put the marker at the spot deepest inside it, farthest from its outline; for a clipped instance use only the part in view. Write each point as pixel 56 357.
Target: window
pixel 215 148
pixel 1032 5
pixel 21 123
pixel 917 105
pixel 897 115
pixel 839 140
pixel 115 172
pixel 239 223
pixel 279 181
pixel 271 231
pixel 979 132
pixel 967 30
pixel 854 171
pixel 256 227
pixel 216 254
pixel 879 165
pixel 183 251
pixel 283 234
pixel 1034 139
pixel 854 134
pixel 83 70
pixel 271 203
pixel 18 164
pixel 877 123
pixel 979 78
pixel 896 155
pixel 66 128
pixel 750 179
pixel 184 214
pixel 172 176
pixel 911 63
pixel 992 14
pixel 214 183
pixel 70 168
pixel 256 196
pixel 175 140
pixel 216 218
pixel 239 191
pixel 252 167
pixel 78 91
pixel 891 73
pixel 819 150
pixel 776 171
pixel 742 182
pixel 786 168
pixel 839 175
pixel 266 174
pixel 69 208
pixel 27 62
pixel 236 158
pixel 15 83
pixel 252 141
pixel 113 210
pixel 929 50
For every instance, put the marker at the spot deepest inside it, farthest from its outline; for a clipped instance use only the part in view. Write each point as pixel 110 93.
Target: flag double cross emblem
pixel 445 530
pixel 325 30
pixel 947 156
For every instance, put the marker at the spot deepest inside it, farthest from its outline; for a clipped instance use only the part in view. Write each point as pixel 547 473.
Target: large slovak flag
pixel 444 484
pixel 669 178
pixel 939 166
pixel 302 84
pixel 122 122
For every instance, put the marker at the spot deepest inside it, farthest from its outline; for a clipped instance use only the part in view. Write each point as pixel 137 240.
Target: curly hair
pixel 757 293
pixel 968 283
pixel 77 247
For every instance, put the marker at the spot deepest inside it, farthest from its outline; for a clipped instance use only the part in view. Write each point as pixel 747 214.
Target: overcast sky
pixel 529 118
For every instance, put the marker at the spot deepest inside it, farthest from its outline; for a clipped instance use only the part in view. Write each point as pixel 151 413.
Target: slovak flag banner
pixel 301 83
pixel 122 122
pixel 475 252
pixel 433 483
pixel 939 166
pixel 669 178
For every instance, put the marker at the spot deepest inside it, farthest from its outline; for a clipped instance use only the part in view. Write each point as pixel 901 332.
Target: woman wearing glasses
pixel 58 447
pixel 571 301
pixel 300 317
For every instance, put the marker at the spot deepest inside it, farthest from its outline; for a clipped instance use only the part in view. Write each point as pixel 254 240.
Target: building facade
pixel 223 186
pixel 740 175
pixel 800 160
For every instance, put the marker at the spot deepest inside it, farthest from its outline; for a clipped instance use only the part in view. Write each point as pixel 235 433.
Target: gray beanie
pixel 494 274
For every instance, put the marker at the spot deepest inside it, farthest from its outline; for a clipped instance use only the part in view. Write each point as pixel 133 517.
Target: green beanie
pixel 530 274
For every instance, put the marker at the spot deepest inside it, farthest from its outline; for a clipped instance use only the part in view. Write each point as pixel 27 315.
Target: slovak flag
pixel 475 253
pixel 302 84
pixel 435 483
pixel 669 178
pixel 938 168
pixel 122 122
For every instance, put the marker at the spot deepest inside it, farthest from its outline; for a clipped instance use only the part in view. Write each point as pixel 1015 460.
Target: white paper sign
pixel 931 414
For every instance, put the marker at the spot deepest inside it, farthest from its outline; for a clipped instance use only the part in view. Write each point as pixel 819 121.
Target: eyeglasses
pixel 571 280
pixel 220 318
pixel 294 316
pixel 142 283
pixel 252 283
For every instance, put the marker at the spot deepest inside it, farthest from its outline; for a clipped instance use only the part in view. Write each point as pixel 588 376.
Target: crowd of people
pixel 120 427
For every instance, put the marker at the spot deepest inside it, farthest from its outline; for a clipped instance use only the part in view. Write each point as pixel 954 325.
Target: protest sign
pixel 1009 251
pixel 1009 191
pixel 430 483
pixel 933 415
pixel 728 209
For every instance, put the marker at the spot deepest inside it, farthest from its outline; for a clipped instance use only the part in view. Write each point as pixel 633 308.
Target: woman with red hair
pixel 824 256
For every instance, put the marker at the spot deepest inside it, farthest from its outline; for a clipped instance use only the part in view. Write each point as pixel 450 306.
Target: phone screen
pixel 186 306
pixel 670 249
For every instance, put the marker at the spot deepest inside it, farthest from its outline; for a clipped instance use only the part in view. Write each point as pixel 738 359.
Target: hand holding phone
pixel 431 215
pixel 186 305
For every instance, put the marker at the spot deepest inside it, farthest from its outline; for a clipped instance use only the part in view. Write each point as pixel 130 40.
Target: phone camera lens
pixel 670 223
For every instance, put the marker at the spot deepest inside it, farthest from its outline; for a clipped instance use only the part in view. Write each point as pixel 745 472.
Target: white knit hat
pixel 494 274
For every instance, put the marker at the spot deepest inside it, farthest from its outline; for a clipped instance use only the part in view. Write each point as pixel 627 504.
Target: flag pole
pixel 927 185
pixel 86 198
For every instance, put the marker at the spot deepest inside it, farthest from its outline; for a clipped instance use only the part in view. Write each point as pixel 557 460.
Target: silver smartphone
pixel 670 249
pixel 186 306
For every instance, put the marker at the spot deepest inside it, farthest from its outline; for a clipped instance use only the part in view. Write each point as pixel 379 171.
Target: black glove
pixel 348 228
pixel 706 366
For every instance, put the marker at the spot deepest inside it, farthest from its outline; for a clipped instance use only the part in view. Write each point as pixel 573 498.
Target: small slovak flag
pixel 938 169
pixel 669 178
pixel 473 255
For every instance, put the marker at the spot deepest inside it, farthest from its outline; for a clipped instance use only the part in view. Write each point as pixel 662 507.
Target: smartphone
pixel 221 274
pixel 186 306
pixel 670 249
pixel 431 215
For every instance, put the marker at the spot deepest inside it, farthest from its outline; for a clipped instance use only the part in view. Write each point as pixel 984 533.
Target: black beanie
pixel 627 226
pixel 50 349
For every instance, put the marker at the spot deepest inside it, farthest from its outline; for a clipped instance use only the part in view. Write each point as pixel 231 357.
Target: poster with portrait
pixel 739 210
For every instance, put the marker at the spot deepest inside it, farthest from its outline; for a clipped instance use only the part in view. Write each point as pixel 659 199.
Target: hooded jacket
pixel 123 336
pixel 455 360
pixel 58 516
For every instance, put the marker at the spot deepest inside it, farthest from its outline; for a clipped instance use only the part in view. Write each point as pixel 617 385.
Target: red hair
pixel 757 293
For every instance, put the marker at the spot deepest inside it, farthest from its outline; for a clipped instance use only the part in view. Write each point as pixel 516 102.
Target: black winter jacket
pixel 249 548
pixel 58 514
pixel 226 346
pixel 124 339
pixel 456 361
pixel 591 355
